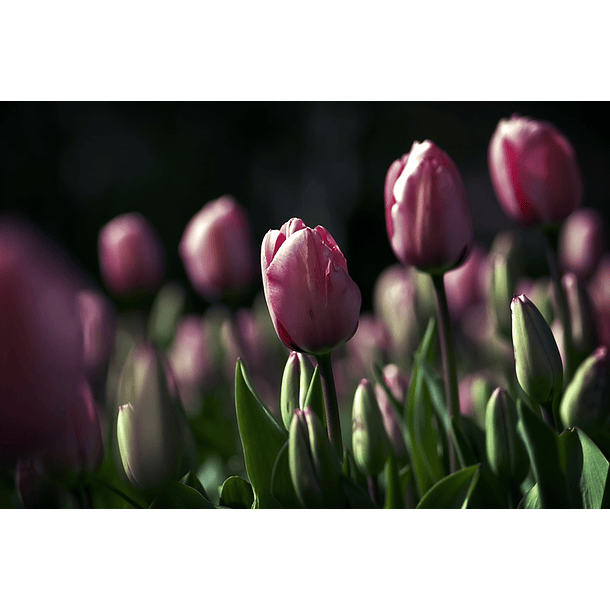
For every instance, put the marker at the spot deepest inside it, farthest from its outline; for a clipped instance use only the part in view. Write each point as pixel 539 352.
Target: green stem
pixel 448 358
pixel 118 492
pixel 333 423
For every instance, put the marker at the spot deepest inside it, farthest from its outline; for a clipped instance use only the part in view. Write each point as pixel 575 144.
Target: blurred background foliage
pixel 71 167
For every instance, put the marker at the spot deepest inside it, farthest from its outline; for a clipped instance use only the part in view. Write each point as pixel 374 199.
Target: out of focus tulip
pixel 295 384
pixel 467 285
pixel 41 341
pixel 98 320
pixel 581 242
pixel 586 400
pixel 534 171
pixel 149 427
pixel 368 346
pixel 131 255
pixel 370 441
pixel 314 466
pixel 313 302
pixel 599 289
pixel 217 249
pixel 537 360
pixel 427 215
pixel 34 486
pixel 474 392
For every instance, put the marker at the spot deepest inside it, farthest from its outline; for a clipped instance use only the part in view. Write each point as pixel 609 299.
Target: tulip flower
pixel 314 466
pixel 427 215
pixel 313 302
pixel 131 255
pixel 217 250
pixel 586 400
pixel 537 360
pixel 149 427
pixel 581 242
pixel 97 318
pixel 534 171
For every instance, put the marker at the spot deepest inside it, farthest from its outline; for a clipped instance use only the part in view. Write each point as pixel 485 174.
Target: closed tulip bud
pixel 586 400
pixel 392 424
pixel 537 360
pixel 584 336
pixel 466 286
pixel 540 292
pixel 427 215
pixel 397 382
pixel 534 171
pixel 131 255
pixel 370 441
pixel 581 242
pixel 505 450
pixel 295 383
pixel 505 267
pixel 313 302
pixel 217 250
pixel 315 470
pixel 149 430
pixel 98 319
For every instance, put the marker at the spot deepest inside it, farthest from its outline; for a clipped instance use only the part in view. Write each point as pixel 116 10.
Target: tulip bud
pixel 427 215
pixel 97 317
pixel 149 429
pixel 313 302
pixel 217 250
pixel 505 450
pixel 584 337
pixel 534 171
pixel 581 242
pixel 466 285
pixel 537 360
pixel 370 441
pixel 315 470
pixel 586 400
pixel 391 423
pixel 540 292
pixel 295 383
pixel 505 266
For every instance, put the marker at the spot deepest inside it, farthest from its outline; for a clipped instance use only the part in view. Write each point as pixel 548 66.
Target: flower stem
pixel 448 358
pixel 112 488
pixel 331 405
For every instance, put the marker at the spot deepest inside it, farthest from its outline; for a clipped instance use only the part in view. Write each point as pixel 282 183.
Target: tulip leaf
pixel 423 447
pixel 464 452
pixel 282 488
pixel 585 467
pixel 315 396
pixel 261 435
pixel 531 499
pixel 191 480
pixel 453 491
pixel 395 492
pixel 356 496
pixel 236 493
pixel 541 443
pixel 178 495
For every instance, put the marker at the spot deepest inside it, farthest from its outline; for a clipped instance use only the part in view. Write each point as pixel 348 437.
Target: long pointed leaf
pixel 453 491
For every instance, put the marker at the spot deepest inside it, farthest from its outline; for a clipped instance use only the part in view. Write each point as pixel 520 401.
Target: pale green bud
pixel 295 383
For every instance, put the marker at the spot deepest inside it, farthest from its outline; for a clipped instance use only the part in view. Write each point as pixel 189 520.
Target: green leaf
pixel 281 483
pixel 464 452
pixel 531 499
pixel 453 491
pixel 423 447
pixel 541 443
pixel 586 469
pixel 236 493
pixel 261 435
pixel 395 493
pixel 178 495
pixel 356 496
pixel 191 480
pixel 315 396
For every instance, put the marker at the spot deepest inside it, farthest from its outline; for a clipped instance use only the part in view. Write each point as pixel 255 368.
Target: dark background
pixel 71 167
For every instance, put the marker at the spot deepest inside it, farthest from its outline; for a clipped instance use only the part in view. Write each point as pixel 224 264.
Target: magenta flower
pixel 131 255
pixel 534 171
pixel 581 242
pixel 98 319
pixel 313 302
pixel 217 249
pixel 427 215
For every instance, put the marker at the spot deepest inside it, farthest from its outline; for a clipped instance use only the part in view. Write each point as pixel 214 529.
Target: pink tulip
pixel 97 318
pixel 313 302
pixel 427 215
pixel 131 255
pixel 534 171
pixel 40 341
pixel 217 249
pixel 581 242
pixel 467 285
